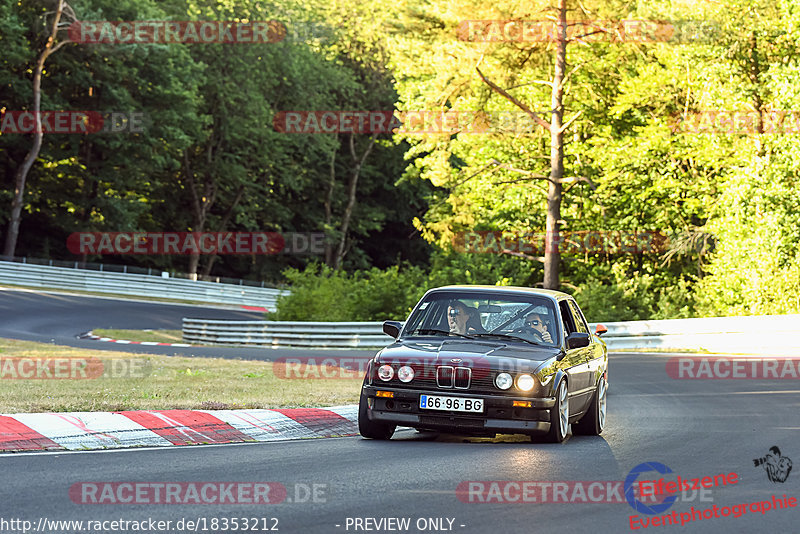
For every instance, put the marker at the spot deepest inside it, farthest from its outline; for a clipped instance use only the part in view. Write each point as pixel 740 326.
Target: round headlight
pixel 525 382
pixel 385 372
pixel 405 374
pixel 503 381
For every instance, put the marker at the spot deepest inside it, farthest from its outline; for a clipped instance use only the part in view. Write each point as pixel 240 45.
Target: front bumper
pixel 499 415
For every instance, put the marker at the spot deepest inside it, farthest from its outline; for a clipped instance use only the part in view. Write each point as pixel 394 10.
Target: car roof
pixel 555 295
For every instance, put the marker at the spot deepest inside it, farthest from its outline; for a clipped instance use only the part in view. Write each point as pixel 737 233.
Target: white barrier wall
pixel 764 334
pixel 138 285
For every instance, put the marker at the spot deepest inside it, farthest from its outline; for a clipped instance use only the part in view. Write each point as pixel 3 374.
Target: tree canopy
pixel 674 119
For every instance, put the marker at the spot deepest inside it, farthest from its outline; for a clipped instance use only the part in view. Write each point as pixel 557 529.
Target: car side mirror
pixel 577 340
pixel 600 329
pixel 392 328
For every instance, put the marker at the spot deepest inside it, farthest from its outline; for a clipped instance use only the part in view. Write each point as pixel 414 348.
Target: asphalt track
pixel 696 427
pixel 58 318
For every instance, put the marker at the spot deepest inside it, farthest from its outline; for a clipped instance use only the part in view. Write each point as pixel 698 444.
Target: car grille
pixel 453 377
pixel 446 377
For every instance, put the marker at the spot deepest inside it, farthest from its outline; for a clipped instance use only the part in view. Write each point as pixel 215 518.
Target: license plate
pixel 455 404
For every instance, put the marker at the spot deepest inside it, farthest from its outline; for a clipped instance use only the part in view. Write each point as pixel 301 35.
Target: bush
pixel 635 297
pixel 319 293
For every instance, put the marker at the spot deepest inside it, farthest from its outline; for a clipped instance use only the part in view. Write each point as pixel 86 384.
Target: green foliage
pixel 211 108
pixel 319 293
pixel 322 294
pixel 634 297
pixel 756 267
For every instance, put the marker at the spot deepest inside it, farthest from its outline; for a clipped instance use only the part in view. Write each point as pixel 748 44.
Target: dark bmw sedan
pixel 483 360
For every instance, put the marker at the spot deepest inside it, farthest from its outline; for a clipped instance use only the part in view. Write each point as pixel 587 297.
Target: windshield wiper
pixel 446 332
pixel 508 336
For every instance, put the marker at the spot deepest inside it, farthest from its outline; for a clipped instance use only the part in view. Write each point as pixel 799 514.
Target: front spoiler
pixel 460 422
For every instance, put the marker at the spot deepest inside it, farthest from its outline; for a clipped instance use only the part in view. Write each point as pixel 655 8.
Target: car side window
pixel 580 323
pixel 566 318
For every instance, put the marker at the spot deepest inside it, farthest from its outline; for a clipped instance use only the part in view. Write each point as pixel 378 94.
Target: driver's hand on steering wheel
pixel 546 337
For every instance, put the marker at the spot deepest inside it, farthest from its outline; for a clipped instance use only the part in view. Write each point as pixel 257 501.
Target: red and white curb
pixel 90 335
pixel 107 430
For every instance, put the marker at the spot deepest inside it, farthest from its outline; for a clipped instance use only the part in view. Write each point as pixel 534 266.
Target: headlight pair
pixel 504 381
pixel 405 373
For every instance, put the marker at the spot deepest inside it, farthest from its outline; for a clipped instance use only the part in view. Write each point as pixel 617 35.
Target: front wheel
pixel 559 415
pixel 372 429
pixel 594 421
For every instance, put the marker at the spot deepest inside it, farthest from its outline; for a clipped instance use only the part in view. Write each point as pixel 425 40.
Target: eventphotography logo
pixel 776 465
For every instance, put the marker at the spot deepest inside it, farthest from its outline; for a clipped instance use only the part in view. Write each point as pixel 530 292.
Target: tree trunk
pixel 755 78
pixel 22 173
pixel 328 210
pixel 358 162
pixel 200 204
pixel 552 254
pixel 222 225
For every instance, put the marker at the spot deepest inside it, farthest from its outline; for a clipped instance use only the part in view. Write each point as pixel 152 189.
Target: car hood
pixel 491 354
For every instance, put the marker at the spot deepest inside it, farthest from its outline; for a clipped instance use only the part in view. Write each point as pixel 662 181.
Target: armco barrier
pixel 765 334
pixel 285 334
pixel 139 285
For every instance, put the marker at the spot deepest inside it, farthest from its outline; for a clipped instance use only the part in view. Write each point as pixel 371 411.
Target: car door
pixel 596 361
pixel 575 362
pixel 580 388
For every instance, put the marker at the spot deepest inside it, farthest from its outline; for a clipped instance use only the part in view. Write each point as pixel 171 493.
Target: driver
pixel 536 326
pixel 458 316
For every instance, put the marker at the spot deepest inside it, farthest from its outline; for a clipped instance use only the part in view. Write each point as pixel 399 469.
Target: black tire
pixel 371 429
pixel 559 415
pixel 594 420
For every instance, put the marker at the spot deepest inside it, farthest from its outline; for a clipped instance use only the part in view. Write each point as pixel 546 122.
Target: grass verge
pixel 161 382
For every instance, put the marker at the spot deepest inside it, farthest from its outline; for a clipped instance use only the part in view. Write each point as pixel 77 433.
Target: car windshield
pixel 516 318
